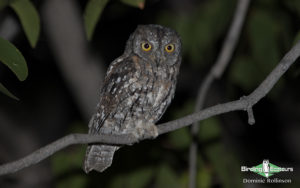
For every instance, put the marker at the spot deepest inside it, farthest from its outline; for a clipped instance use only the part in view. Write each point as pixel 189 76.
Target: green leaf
pixel 138 178
pixel 293 6
pixel 13 58
pixel 74 181
pixel 180 138
pixel 29 18
pixel 6 92
pixel 68 162
pixel 166 177
pixel 220 156
pixel 209 130
pixel 136 3
pixel 263 34
pixel 204 177
pixel 222 159
pixel 3 4
pixel 242 71
pixel 92 14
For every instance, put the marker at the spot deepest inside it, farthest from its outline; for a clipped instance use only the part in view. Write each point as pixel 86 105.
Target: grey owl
pixel 138 87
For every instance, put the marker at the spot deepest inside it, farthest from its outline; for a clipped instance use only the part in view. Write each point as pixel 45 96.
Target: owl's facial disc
pixel 156 44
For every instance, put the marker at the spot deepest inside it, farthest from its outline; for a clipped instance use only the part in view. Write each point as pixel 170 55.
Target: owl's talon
pixel 144 130
pixel 137 134
pixel 152 131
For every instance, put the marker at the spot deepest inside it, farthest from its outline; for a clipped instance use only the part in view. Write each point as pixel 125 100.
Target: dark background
pixel 49 107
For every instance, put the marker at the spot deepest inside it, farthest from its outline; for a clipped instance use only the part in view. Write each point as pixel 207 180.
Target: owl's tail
pixel 98 157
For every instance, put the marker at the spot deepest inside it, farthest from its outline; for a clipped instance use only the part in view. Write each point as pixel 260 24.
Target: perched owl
pixel 138 87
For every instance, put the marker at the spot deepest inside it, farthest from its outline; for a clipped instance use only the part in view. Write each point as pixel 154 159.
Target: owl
pixel 138 87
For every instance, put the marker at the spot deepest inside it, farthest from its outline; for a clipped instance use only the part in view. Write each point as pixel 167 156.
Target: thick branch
pixel 70 49
pixel 242 104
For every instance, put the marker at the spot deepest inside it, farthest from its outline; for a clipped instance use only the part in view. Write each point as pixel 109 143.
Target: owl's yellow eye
pixel 170 48
pixel 146 46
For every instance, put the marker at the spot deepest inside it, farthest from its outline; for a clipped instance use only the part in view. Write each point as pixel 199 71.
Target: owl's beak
pixel 158 58
pixel 155 59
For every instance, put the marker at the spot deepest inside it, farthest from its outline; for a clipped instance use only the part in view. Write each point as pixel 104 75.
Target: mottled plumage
pixel 138 87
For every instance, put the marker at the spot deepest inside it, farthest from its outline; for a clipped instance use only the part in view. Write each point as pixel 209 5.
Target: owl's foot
pixel 144 130
pixel 151 131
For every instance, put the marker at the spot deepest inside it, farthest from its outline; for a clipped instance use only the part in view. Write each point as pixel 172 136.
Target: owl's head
pixel 155 43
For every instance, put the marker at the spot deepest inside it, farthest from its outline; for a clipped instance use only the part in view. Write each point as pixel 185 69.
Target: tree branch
pixel 70 49
pixel 216 72
pixel 244 103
